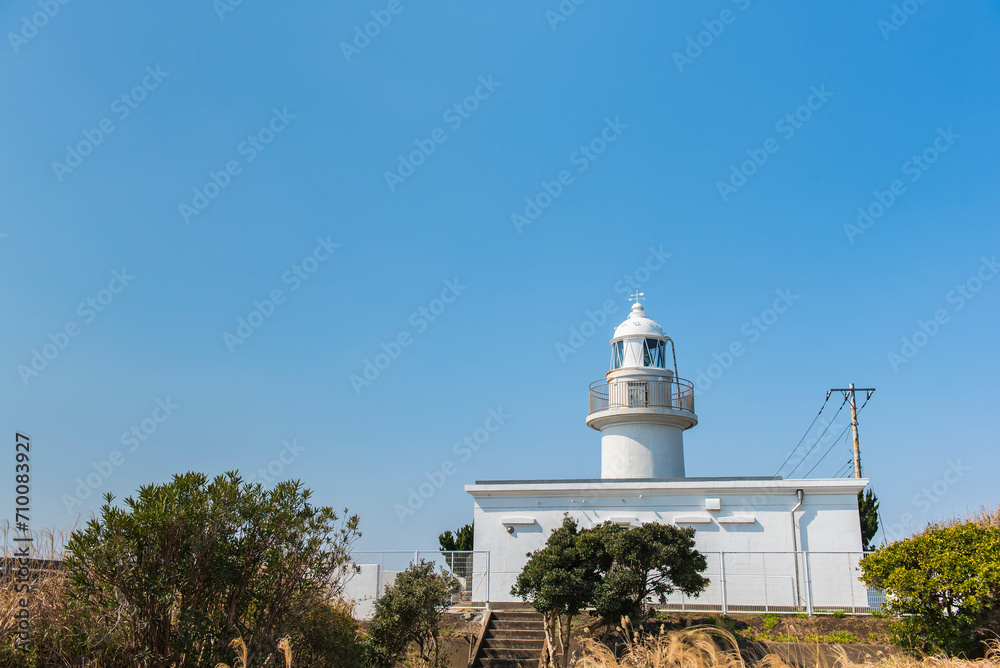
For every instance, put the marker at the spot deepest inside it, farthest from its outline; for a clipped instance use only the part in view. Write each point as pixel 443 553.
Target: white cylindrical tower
pixel 642 408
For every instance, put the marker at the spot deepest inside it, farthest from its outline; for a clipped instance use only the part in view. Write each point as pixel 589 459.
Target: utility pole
pixel 849 393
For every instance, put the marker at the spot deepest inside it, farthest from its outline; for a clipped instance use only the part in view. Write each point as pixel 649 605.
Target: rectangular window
pixel 637 394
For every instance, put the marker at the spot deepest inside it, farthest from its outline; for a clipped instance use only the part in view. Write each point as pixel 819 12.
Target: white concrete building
pixel 776 544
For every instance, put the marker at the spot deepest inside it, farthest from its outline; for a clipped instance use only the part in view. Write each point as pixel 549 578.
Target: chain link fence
pixel 782 582
pixel 779 582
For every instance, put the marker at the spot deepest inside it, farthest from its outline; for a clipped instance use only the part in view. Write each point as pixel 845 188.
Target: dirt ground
pixel 458 636
pixel 866 629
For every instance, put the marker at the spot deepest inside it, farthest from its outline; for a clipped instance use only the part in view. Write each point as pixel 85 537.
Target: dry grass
pixel 46 543
pixel 697 647
pixel 985 517
pixel 710 647
pixel 991 660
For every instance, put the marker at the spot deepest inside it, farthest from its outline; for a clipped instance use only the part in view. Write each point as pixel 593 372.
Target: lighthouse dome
pixel 637 324
pixel 639 342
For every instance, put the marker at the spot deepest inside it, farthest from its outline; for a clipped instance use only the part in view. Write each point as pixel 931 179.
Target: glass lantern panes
pixel 654 353
pixel 617 355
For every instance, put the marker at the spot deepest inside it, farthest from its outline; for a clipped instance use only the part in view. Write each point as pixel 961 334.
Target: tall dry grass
pixel 711 647
pixel 696 647
pixel 284 646
pixel 985 517
pixel 46 544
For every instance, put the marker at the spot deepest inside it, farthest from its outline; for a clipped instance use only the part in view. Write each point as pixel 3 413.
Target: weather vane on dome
pixel 637 296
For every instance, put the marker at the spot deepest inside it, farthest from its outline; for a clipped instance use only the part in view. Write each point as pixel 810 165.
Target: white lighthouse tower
pixel 642 407
pixel 754 529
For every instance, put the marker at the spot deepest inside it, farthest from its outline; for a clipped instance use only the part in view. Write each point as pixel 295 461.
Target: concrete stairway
pixel 510 639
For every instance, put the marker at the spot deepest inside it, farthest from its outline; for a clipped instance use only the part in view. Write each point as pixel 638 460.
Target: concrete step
pixel 512 639
pixel 526 624
pixel 526 633
pixel 508 663
pixel 510 643
pixel 519 654
pixel 506 614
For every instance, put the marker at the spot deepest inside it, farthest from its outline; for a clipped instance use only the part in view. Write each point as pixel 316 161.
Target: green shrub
pixel 770 620
pixel 839 614
pixel 616 570
pixel 327 636
pixel 185 567
pixel 724 622
pixel 650 561
pixel 946 582
pixel 410 611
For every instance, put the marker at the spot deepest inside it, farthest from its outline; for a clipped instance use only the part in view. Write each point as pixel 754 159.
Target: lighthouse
pixel 756 529
pixel 642 407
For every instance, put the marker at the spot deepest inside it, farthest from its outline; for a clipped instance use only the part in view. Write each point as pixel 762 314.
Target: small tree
pixel 946 582
pixel 648 561
pixel 868 512
pixel 410 610
pixel 462 541
pixel 559 581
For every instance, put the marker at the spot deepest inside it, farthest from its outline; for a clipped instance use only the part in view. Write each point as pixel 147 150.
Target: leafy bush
pixel 559 581
pixel 410 610
pixel 945 581
pixel 648 561
pixel 185 567
pixel 770 620
pixel 839 614
pixel 327 636
pixel 612 568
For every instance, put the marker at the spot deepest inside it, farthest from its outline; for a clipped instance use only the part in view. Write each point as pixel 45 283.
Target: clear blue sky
pixel 330 121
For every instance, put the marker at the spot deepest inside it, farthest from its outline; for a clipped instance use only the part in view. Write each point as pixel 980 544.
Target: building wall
pixel 752 517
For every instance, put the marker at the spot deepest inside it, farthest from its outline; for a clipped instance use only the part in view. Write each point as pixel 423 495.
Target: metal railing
pixel 757 582
pixel 675 393
pixel 782 582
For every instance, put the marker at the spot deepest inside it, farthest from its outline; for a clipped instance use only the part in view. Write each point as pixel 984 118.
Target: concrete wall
pixel 365 587
pixel 753 517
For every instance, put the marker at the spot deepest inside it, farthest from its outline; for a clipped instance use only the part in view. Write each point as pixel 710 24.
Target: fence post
pixel 722 580
pixel 763 572
pixel 851 582
pixel 488 581
pixel 378 576
pixel 805 569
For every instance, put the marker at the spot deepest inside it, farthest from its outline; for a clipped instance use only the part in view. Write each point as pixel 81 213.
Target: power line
pixel 827 451
pixel 832 444
pixel 842 454
pixel 844 468
pixel 803 435
pixel 819 438
pixel 850 392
